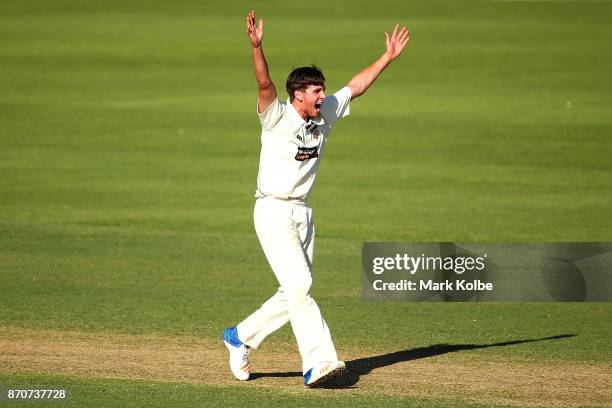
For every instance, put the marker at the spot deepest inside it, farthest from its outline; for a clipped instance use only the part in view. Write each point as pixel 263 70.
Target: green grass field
pixel 129 150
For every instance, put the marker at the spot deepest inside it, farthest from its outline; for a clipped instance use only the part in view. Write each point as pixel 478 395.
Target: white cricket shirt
pixel 291 148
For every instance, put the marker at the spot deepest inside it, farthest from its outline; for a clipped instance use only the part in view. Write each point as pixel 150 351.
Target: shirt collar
pixel 298 121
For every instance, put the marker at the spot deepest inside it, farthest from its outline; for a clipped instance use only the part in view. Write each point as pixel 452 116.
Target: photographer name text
pixel 431 285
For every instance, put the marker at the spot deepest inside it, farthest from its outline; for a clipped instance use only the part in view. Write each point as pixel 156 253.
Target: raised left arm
pixel 395 45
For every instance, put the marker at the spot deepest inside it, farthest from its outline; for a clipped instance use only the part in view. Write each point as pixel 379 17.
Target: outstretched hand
pixel 397 42
pixel 254 32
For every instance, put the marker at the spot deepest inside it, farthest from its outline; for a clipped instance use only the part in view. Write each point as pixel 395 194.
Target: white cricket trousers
pixel 286 232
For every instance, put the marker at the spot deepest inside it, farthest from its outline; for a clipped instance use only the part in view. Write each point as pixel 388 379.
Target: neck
pixel 299 108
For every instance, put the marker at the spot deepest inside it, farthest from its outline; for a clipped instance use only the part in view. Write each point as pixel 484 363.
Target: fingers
pixel 397 42
pixel 405 41
pixel 250 21
pixel 394 32
pixel 404 36
pixel 254 28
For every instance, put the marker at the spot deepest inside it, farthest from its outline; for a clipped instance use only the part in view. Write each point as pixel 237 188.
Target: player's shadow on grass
pixel 363 366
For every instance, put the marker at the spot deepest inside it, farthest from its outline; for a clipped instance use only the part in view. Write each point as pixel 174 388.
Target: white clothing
pixel 290 153
pixel 286 232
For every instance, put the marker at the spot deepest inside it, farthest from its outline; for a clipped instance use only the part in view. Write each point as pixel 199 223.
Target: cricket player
pixel 293 137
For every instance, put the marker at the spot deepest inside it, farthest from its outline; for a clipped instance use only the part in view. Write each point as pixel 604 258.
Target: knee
pixel 298 290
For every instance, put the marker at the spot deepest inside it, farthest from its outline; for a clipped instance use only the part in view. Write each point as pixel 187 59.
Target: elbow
pixel 265 84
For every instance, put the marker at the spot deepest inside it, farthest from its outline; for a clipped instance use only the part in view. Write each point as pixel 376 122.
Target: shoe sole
pixel 333 373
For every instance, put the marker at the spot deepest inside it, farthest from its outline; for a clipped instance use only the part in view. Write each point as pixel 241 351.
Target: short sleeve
pixel 273 113
pixel 336 106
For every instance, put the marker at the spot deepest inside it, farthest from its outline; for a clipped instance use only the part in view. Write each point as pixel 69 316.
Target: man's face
pixel 312 98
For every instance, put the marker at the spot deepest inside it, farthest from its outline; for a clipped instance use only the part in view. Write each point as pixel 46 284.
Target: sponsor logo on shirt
pixel 306 153
pixel 313 129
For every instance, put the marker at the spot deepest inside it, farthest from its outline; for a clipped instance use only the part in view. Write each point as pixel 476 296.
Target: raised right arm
pixel 267 91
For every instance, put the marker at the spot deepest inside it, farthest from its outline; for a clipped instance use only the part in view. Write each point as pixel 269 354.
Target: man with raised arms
pixel 293 137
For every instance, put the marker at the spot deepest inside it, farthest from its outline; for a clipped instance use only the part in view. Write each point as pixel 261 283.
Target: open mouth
pixel 318 105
